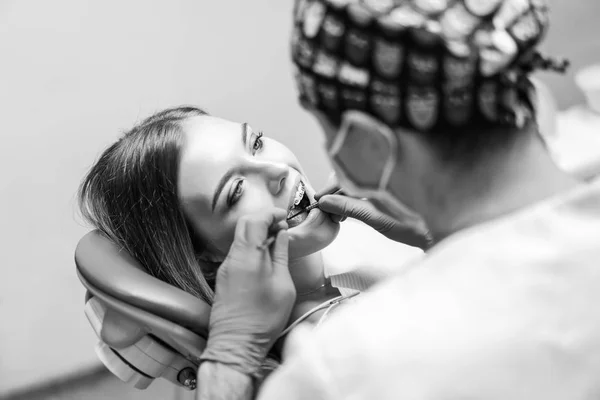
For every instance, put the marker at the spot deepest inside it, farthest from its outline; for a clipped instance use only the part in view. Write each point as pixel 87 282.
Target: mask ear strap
pixel 337 143
pixel 390 163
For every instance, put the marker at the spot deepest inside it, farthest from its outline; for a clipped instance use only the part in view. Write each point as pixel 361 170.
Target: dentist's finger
pixel 330 189
pixel 279 254
pixel 344 206
pixel 252 230
pixel 337 218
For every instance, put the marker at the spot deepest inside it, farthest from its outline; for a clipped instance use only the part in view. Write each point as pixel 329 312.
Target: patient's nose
pixel 275 175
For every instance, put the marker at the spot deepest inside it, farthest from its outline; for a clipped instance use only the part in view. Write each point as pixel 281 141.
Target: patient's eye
pixel 258 143
pixel 236 193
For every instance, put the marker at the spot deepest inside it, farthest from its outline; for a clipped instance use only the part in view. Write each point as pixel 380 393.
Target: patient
pixel 171 190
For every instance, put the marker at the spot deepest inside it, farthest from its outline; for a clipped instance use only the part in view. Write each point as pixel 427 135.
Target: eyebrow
pixel 229 173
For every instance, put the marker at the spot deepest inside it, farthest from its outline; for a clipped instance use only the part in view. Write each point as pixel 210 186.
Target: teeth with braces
pixel 299 194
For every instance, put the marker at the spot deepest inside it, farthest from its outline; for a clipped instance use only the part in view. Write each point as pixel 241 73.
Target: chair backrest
pixel 147 328
pixel 114 272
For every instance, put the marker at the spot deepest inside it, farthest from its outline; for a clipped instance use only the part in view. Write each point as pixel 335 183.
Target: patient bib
pixel 360 257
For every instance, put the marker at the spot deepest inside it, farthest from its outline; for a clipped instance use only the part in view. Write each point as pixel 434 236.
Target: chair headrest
pixel 113 271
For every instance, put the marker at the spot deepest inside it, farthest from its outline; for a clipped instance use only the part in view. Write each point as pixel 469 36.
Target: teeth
pixel 299 194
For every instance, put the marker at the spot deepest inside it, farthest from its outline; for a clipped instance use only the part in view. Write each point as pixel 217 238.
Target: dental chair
pixel 147 329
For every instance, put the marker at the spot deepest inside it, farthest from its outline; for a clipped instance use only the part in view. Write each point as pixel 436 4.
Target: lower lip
pixel 298 220
pixel 312 214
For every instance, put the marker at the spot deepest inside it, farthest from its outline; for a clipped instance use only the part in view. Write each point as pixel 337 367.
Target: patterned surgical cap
pixel 421 64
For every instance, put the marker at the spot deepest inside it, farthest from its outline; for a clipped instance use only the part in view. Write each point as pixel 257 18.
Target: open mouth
pixel 301 201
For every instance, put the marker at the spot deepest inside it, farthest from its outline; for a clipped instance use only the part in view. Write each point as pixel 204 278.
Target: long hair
pixel 130 195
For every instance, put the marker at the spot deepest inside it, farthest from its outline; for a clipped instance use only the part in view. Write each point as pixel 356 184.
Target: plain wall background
pixel 75 73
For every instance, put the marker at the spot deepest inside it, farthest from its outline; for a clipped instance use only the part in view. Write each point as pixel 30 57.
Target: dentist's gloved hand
pixel 254 295
pixel 409 229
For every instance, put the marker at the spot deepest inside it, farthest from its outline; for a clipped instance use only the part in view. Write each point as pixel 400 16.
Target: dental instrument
pixel 270 240
pixel 334 190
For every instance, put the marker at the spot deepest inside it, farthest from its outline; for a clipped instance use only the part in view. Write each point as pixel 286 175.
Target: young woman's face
pixel 227 170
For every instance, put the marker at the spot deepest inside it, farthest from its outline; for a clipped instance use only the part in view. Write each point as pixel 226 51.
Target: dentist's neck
pixel 516 178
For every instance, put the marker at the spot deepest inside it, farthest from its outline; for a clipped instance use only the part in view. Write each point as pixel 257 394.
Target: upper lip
pixel 293 192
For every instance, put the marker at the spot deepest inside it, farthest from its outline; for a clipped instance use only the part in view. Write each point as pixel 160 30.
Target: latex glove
pixel 409 229
pixel 332 183
pixel 254 295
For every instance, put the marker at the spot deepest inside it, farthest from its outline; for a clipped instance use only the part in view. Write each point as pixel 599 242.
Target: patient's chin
pixel 312 237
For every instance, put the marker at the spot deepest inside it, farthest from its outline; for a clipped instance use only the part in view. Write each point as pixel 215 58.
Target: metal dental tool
pixel 334 190
pixel 271 239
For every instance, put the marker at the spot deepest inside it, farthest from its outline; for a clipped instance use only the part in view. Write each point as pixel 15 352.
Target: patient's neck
pixel 309 277
pixel 307 272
